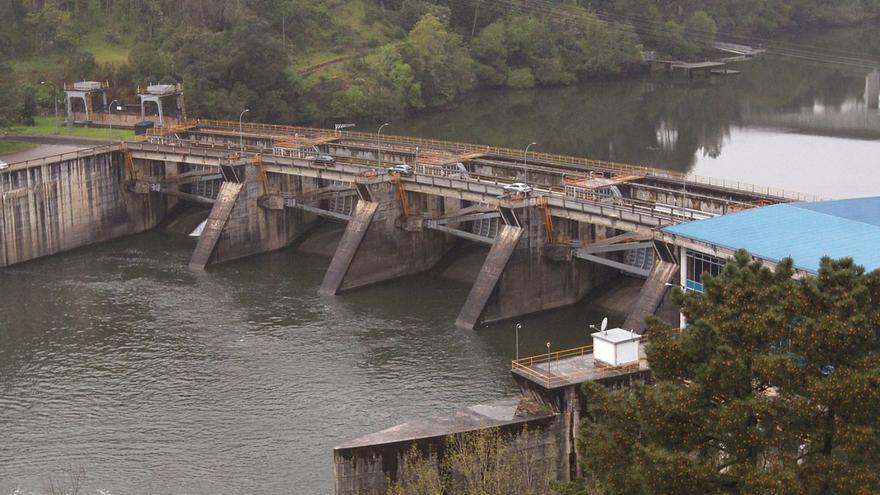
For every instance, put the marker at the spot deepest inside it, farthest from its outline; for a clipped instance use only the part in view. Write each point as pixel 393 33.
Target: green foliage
pixel 229 71
pixel 8 147
pixel 450 47
pixel 521 51
pixel 484 462
pixel 47 125
pixel 701 30
pixel 772 388
pixel 440 61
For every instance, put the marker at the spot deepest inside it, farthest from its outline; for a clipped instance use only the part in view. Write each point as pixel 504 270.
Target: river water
pixel 117 360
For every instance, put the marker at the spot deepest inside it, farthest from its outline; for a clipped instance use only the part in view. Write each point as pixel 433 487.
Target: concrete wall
pixel 253 229
pixel 540 442
pixel 57 206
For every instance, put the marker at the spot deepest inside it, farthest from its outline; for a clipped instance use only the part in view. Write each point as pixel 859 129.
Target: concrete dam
pixel 405 203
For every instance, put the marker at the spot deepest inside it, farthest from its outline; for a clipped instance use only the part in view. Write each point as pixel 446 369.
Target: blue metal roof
pixel 803 231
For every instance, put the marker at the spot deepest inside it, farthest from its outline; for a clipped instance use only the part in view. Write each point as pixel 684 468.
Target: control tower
pixel 85 100
pixel 164 101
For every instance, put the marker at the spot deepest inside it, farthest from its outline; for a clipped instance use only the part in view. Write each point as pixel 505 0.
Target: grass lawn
pixel 10 147
pixel 104 51
pixel 45 126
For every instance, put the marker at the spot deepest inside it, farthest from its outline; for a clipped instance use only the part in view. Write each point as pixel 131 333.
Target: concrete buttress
pixel 382 243
pixel 651 294
pixel 216 222
pixel 238 226
pixel 528 279
pixel 505 242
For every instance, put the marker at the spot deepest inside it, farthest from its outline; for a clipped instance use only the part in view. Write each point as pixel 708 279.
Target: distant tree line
pixel 382 57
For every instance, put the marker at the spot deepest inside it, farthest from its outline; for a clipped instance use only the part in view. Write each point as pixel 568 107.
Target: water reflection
pixel 671 123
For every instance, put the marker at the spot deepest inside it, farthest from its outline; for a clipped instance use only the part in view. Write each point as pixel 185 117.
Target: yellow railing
pixel 527 366
pixel 687 179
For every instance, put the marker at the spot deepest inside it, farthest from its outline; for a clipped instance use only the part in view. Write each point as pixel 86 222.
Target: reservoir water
pixel 117 360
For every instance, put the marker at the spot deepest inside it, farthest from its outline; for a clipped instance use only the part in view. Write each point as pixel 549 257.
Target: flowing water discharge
pixel 118 360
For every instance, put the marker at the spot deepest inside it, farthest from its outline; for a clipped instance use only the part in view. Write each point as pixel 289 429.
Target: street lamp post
pixel 378 144
pixel 517 327
pixel 110 117
pixel 54 101
pixel 240 131
pixel 548 364
pixel 525 161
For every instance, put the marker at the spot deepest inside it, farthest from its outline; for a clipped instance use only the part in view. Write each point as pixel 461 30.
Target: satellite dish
pixel 604 323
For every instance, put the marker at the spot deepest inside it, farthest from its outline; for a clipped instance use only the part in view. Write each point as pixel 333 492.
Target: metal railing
pixel 527 367
pixel 638 211
pixel 686 179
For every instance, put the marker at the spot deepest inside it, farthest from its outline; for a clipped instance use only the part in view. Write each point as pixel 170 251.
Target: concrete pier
pixel 244 221
pixel 505 243
pixel 217 219
pixel 348 246
pixel 522 275
pixel 381 242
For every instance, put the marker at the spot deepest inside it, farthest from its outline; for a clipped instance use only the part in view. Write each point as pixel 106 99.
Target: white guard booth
pixel 616 347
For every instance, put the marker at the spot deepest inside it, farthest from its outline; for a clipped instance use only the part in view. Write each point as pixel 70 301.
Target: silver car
pixel 402 169
pixel 518 188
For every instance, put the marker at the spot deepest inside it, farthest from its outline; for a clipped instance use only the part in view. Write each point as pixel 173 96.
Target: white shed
pixel 616 347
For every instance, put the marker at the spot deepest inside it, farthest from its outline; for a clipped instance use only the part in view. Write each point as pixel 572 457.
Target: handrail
pixel 526 367
pixel 691 179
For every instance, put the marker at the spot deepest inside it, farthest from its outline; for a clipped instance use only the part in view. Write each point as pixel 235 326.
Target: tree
pixel 773 388
pixel 440 61
pixel 482 462
pixel 388 82
pixel 701 30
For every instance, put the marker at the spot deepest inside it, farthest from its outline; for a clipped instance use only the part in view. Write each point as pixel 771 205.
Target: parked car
pixel 402 169
pixel 518 188
pixel 322 159
pixel 3 165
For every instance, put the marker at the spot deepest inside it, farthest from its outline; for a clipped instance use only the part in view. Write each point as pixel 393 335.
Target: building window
pixel 697 265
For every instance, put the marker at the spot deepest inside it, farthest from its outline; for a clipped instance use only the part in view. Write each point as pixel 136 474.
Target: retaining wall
pixel 61 205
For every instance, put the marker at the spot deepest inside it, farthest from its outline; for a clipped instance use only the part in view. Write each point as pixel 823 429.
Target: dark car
pixel 324 160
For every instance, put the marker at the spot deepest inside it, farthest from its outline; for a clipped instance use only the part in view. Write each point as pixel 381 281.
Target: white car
pixel 402 169
pixel 518 188
pixel 3 165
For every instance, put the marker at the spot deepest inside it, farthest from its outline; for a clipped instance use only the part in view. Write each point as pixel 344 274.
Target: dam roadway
pixel 584 222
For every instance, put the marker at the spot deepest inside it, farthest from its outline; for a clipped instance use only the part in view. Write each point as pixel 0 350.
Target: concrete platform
pixel 572 367
pixel 494 414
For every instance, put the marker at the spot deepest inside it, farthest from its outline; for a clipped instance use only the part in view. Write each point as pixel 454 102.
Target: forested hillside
pixel 307 61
